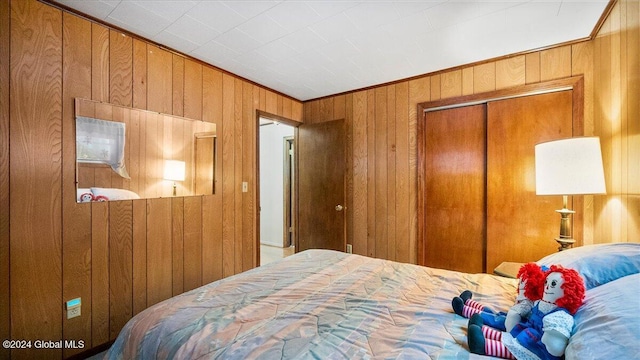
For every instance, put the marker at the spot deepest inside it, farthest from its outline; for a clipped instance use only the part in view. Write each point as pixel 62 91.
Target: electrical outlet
pixel 349 249
pixel 73 308
pixel 73 312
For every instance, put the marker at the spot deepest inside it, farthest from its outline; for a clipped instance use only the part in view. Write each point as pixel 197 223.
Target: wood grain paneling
pixel 99 62
pixel 36 168
pixel 120 265
pixel 436 86
pixel 120 68
pixel 212 245
pixel 617 122
pixel 237 175
pixel 192 89
pixel 177 239
pixel 555 63
pixel 228 182
pixel 192 242
pixel 5 75
pixel 371 173
pixel 139 87
pixel 632 47
pixel 402 173
pixel 582 63
pixel 159 250
pixel 139 250
pixel 484 78
pixel 359 173
pixel 212 96
pixel 249 126
pixel 467 81
pixel 451 83
pixel 178 85
pixel 380 176
pixel 532 65
pixel 391 171
pixel 419 90
pixel 348 104
pixel 76 220
pixel 99 273
pixel 118 257
pixel 272 102
pixel 159 80
pixel 510 72
pixel 286 108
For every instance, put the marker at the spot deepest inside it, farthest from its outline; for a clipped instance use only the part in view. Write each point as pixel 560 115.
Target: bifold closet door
pixel 521 226
pixel 453 190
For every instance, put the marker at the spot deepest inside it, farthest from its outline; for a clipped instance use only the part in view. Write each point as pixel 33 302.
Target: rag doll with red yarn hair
pixel 546 332
pixel 530 281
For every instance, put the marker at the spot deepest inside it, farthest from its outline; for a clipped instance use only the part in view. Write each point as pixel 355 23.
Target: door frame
pixel 294 124
pixel 289 184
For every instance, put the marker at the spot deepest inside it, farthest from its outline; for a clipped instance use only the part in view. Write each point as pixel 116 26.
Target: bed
pixel 322 304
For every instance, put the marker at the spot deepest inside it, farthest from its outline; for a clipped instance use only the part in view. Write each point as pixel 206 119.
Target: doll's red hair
pixel 573 288
pixel 534 277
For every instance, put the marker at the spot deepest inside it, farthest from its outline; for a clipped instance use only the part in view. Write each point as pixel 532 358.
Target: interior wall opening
pixel 277 195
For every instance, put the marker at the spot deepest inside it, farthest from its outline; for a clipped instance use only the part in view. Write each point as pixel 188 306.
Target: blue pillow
pixel 598 264
pixel 606 325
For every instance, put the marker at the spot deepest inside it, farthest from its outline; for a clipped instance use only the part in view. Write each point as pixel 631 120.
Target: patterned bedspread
pixel 317 304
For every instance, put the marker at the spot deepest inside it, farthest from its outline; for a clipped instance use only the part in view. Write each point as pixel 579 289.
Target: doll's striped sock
pixel 497 348
pixel 491 333
pixel 474 304
pixel 468 311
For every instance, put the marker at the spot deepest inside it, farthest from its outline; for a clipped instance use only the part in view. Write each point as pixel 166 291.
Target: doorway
pixel 277 184
pixel 313 214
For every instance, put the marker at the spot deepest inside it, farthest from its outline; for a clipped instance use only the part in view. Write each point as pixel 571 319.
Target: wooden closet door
pixel 522 226
pixel 452 194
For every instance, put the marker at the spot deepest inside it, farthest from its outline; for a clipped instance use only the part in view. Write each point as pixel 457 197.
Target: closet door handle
pixel 339 207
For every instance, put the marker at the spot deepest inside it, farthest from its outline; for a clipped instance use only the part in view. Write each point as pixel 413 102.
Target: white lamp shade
pixel 174 170
pixel 569 167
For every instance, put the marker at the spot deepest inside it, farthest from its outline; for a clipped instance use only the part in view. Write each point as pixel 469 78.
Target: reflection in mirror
pixel 205 163
pixel 130 162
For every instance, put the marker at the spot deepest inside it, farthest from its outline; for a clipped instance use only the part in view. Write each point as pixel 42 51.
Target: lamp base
pixel 565 243
pixel 565 239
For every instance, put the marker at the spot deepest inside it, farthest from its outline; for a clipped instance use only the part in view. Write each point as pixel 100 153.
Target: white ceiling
pixel 312 48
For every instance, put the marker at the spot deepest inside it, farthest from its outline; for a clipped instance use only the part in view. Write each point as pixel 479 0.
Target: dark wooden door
pixel 453 196
pixel 321 186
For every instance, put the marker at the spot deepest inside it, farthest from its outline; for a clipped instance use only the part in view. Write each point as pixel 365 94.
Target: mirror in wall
pixel 124 153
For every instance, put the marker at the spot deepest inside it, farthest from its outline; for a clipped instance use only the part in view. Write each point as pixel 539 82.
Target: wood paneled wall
pixel 382 197
pixel 5 75
pixel 119 257
pixel 617 120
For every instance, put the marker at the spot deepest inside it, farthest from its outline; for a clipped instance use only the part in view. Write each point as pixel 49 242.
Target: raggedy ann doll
pixel 546 333
pixel 530 281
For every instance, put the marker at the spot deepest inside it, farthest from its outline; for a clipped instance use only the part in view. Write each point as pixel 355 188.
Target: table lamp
pixel 174 171
pixel 569 167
